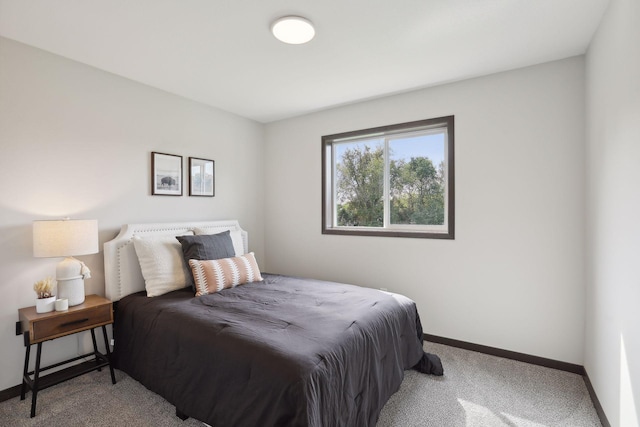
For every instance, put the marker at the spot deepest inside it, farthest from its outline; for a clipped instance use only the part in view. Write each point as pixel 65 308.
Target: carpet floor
pixel 476 390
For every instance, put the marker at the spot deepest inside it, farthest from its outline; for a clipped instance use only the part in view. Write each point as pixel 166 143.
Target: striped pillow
pixel 215 275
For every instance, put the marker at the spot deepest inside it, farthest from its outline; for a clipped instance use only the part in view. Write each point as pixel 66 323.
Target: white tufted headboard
pixel 122 273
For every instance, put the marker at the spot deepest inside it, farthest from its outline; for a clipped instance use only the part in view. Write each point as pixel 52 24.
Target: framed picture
pixel 166 174
pixel 202 181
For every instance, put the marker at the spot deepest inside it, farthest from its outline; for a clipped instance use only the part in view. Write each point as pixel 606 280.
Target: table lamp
pixel 67 238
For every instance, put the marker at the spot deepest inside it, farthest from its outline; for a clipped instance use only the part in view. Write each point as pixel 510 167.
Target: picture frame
pixel 166 174
pixel 202 177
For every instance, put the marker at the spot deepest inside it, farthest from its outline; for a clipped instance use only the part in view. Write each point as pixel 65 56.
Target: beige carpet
pixel 476 390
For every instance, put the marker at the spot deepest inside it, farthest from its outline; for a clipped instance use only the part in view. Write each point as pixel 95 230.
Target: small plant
pixel 44 288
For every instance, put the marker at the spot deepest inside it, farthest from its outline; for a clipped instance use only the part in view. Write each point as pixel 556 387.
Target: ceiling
pixel 221 53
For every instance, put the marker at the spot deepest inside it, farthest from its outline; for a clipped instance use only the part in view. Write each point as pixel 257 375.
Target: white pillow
pixel 236 238
pixel 162 264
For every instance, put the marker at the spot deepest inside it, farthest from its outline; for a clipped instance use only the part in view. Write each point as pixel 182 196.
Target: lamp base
pixel 71 289
pixel 70 281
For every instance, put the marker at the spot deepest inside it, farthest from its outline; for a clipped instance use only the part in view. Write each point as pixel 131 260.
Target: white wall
pixel 612 350
pixel 76 141
pixel 513 277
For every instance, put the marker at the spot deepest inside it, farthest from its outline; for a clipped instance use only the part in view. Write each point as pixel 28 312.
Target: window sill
pixel 389 233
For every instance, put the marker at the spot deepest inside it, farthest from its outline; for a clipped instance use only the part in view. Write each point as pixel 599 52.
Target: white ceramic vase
pixel 45 305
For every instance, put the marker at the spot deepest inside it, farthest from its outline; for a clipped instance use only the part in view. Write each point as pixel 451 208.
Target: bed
pixel 283 351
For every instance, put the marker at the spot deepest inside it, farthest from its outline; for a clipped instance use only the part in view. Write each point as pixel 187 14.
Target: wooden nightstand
pixel 94 312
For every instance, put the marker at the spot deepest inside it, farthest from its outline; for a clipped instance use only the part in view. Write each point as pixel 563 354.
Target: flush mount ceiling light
pixel 293 30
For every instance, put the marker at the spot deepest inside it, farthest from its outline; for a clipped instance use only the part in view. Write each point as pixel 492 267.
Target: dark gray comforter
pixel 283 352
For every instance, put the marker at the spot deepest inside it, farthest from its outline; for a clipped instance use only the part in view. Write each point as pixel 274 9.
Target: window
pixel 393 180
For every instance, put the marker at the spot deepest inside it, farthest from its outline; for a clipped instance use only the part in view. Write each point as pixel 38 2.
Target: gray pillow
pixel 207 246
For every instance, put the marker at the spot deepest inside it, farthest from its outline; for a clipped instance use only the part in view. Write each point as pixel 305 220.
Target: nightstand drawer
pixel 71 322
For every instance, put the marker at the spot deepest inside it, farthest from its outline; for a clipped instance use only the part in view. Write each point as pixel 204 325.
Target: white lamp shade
pixel 63 238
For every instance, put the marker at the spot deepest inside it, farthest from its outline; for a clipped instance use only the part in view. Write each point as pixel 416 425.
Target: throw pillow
pixel 214 275
pixel 236 238
pixel 207 246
